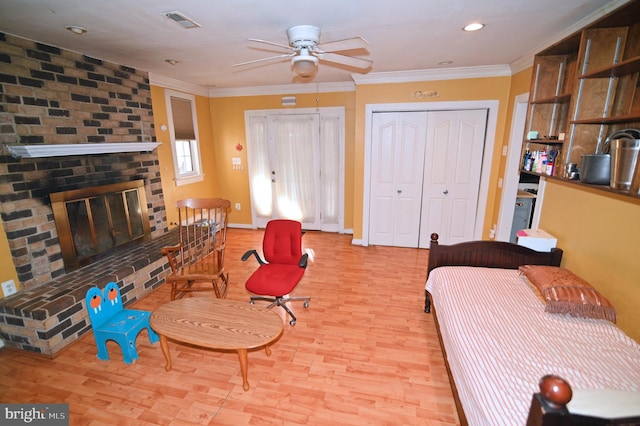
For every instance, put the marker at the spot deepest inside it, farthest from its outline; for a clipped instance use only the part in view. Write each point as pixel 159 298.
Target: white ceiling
pixel 403 35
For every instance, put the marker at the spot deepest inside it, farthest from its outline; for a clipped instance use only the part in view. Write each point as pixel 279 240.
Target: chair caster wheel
pixel 292 322
pixel 252 302
pixel 306 304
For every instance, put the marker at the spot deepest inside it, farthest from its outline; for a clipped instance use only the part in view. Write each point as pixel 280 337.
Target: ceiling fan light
pixel 305 66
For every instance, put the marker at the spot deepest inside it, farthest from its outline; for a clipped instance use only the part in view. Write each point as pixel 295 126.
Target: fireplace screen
pixel 93 221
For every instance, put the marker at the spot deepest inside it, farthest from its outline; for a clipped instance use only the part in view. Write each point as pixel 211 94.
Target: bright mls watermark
pixel 34 414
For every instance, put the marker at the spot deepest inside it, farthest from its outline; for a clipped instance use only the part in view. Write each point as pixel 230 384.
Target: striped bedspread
pixel 500 342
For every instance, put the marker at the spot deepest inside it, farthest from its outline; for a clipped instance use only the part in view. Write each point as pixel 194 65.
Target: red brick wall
pixel 54 96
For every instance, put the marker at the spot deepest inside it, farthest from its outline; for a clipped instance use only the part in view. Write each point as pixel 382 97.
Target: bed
pixel 498 341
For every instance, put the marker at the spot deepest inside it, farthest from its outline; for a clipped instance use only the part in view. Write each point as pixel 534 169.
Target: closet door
pixel 425 176
pixel 397 164
pixel 455 144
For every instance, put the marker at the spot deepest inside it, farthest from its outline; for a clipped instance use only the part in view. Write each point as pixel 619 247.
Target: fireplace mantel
pixel 59 150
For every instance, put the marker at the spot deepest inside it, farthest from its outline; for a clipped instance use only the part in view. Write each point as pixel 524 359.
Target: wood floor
pixel 364 352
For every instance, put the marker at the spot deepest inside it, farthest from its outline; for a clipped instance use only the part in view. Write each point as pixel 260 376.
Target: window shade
pixel 182 119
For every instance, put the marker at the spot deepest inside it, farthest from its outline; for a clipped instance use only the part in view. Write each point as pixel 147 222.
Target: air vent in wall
pixel 181 20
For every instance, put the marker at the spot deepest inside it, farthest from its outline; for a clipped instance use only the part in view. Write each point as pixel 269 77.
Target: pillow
pixel 566 293
pixel 535 289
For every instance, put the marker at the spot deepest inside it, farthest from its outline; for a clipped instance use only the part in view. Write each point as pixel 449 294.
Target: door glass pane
pixel 296 189
pixel 260 167
pixel 330 166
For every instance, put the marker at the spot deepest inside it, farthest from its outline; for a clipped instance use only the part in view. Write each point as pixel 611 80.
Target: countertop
pixel 525 194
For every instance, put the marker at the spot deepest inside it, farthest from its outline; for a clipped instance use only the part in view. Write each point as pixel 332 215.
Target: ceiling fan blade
pixel 286 55
pixel 345 60
pixel 346 44
pixel 257 40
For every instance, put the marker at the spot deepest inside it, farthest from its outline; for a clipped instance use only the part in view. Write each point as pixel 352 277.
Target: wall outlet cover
pixel 9 288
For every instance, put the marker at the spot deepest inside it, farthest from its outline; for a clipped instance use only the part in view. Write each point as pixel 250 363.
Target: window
pixel 183 131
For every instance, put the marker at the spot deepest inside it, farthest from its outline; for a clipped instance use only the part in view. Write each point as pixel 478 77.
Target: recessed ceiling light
pixel 171 61
pixel 474 27
pixel 445 63
pixel 76 29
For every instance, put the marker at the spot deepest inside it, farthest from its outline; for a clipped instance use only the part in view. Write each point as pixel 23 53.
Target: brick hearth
pixel 48 318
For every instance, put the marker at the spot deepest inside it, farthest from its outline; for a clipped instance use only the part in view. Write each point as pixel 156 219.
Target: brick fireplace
pixel 48 97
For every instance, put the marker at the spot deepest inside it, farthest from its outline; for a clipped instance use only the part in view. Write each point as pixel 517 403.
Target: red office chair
pixel 283 266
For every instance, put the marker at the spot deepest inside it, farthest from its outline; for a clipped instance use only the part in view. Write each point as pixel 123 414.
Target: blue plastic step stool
pixel 110 321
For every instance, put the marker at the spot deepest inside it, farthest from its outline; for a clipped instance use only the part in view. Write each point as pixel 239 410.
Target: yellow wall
pixel 473 89
pixel 171 192
pixel 600 235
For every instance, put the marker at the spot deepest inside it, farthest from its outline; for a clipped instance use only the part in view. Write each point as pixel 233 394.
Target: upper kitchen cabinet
pixel 550 96
pixel 606 86
pixel 583 89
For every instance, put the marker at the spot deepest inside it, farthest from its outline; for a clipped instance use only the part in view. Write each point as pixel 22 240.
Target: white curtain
pixel 296 167
pixel 260 170
pixel 331 169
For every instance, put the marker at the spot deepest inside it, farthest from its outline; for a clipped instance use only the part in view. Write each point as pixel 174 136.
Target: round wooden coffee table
pixel 217 324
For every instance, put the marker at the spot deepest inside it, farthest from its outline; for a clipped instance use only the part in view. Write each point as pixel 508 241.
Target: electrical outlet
pixel 238 206
pixel 9 288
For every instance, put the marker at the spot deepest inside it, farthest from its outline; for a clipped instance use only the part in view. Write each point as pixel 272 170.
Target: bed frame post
pixel 549 406
pixel 432 264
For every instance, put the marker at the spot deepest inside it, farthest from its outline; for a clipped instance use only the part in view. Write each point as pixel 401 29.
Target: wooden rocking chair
pixel 199 257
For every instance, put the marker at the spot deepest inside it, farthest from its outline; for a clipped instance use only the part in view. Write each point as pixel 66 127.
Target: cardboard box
pixel 536 239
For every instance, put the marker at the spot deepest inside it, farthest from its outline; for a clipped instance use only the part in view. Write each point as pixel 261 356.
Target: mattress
pixel 499 342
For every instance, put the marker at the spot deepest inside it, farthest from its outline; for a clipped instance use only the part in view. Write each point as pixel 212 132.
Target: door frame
pixel 492 117
pixel 512 168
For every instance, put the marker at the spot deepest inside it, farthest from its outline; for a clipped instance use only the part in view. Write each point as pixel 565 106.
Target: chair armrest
pixel 255 253
pixel 170 249
pixel 303 261
pixel 172 252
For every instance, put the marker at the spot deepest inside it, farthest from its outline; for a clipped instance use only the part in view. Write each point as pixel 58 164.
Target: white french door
pixel 296 167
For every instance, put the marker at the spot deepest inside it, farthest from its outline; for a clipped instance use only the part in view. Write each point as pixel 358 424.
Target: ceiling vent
pixel 181 20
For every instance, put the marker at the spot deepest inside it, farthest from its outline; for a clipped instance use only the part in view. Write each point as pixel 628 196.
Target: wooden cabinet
pixel 585 88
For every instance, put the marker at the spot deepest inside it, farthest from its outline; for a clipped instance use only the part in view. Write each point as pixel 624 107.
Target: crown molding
pixel 430 75
pixel 283 89
pixel 182 86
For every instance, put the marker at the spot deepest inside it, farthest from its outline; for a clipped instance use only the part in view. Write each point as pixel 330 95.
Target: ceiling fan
pixel 305 51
